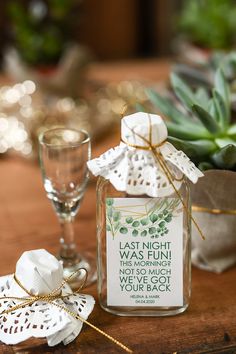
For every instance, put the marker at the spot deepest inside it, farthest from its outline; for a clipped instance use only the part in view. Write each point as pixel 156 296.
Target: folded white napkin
pixel 40 273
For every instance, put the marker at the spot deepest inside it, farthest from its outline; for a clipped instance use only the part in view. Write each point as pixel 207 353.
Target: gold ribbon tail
pixel 50 298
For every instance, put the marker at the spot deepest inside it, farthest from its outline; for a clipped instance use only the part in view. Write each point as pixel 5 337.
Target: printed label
pixel 144 251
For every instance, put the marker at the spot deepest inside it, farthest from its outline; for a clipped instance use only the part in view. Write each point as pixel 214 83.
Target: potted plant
pixel 43 45
pixel 203 75
pixel 206 25
pixel 201 126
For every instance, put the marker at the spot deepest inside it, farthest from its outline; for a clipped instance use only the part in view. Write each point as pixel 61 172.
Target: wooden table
pixel 27 221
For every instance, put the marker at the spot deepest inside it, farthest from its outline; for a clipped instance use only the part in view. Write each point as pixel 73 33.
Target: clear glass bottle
pixel 144 221
pixel 145 303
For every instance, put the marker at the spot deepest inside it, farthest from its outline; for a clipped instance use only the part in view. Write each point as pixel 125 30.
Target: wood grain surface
pixel 27 221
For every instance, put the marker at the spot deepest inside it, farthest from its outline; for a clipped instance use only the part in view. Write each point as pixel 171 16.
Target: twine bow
pixel 159 159
pixel 50 299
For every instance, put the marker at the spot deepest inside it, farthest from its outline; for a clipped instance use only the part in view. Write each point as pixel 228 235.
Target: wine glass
pixel 63 155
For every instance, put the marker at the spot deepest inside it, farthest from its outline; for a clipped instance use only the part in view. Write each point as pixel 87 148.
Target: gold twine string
pixel 213 210
pixel 54 295
pixel 159 158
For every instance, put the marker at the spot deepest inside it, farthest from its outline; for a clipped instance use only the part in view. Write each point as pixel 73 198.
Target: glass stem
pixel 68 252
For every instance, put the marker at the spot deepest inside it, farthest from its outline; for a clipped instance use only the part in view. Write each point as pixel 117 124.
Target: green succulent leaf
pixel 222 87
pixel 225 158
pixel 211 108
pixel 205 134
pixel 194 148
pixel 221 109
pixel 167 108
pixel 209 122
pixel 222 142
pixel 139 107
pixel 182 131
pixel 186 100
pixel 204 166
pixel 135 232
pixel 202 97
pixel 232 130
pixel 182 90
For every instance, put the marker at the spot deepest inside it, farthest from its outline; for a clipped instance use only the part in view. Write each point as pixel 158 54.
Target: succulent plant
pixel 201 126
pixel 215 17
pixel 203 74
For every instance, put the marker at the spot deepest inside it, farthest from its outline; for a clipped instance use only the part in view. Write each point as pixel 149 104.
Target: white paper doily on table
pixel 41 319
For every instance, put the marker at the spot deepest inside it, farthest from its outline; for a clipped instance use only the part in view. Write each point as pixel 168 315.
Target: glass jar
pixel 143 252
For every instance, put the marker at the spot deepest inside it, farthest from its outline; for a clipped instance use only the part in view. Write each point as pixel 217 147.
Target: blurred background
pixel 76 62
pixel 111 29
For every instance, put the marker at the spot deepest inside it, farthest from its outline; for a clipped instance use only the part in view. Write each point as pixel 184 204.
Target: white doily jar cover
pixel 132 166
pixel 40 273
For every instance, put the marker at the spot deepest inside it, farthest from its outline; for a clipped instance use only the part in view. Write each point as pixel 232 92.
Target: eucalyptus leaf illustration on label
pixel 144 251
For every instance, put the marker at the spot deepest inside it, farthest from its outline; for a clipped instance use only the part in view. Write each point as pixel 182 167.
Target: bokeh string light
pixel 25 111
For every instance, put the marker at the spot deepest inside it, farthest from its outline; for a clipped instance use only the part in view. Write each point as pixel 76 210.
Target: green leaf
pixel 135 223
pixel 144 233
pixel 168 218
pixel 202 97
pixel 162 224
pixel 123 230
pixel 109 212
pixel 225 158
pixel 208 121
pixel 185 99
pixel 129 220
pixel 183 132
pixel 168 109
pixel 221 110
pixel 144 221
pixel 211 108
pixel 152 230
pixel 232 130
pixel 135 232
pixel 139 107
pixel 223 88
pixel 222 142
pixel 153 218
pixel 183 92
pixel 204 166
pixel 117 225
pixel 109 201
pixel 116 215
pixel 194 148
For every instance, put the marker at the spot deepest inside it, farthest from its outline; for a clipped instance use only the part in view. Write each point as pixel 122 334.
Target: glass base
pixel 152 312
pixel 73 265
